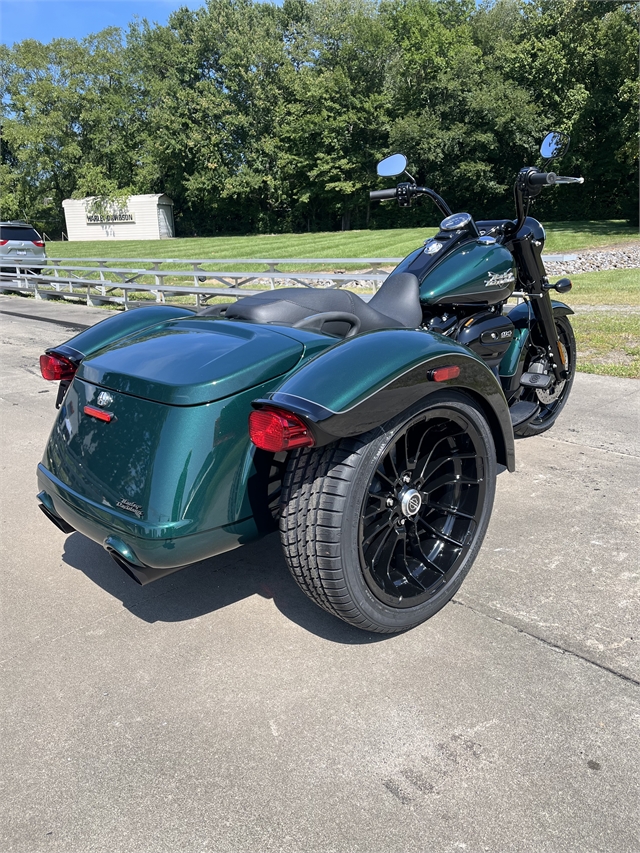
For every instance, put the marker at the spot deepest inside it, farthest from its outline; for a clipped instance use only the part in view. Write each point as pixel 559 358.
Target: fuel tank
pixel 472 273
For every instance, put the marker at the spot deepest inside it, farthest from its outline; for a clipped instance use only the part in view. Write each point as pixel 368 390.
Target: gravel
pixel 595 260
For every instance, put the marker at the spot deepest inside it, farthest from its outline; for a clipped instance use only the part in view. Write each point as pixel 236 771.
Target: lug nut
pixel 389 501
pixel 406 479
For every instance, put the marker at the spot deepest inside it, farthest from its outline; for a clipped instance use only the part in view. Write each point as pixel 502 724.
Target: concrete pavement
pixel 220 710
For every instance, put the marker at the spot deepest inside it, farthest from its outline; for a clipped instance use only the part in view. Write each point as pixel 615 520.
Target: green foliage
pixel 262 118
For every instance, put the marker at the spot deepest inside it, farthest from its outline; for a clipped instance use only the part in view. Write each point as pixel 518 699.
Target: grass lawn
pixel 610 287
pixel 561 237
pixel 608 344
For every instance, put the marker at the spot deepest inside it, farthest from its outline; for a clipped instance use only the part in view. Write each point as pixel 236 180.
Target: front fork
pixel 543 312
pixel 533 277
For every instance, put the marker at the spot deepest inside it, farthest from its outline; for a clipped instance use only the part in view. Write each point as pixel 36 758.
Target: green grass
pixel 610 287
pixel 608 344
pixel 561 237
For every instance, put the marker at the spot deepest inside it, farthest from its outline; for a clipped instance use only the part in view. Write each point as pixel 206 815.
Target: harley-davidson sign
pixel 111 218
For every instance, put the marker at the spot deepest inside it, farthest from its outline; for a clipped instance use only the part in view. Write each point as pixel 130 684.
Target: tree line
pixel 257 118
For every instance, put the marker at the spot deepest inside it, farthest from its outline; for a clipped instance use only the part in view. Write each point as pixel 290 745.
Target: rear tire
pixel 380 530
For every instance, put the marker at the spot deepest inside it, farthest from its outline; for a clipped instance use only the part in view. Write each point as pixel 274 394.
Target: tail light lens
pixel 38 243
pixel 55 367
pixel 3 242
pixel 275 430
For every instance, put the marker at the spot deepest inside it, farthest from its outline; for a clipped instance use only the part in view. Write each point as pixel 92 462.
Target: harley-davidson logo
pixel 129 506
pixel 500 279
pixel 104 399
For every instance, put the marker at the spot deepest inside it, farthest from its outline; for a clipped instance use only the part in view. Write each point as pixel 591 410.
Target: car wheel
pixel 380 530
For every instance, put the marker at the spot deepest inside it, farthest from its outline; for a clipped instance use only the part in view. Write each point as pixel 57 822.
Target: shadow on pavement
pixel 256 569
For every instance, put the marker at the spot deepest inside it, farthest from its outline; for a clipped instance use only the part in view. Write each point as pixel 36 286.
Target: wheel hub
pixel 410 502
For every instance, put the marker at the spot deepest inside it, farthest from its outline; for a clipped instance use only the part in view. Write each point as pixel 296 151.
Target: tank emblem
pixel 104 399
pixel 500 279
pixel 431 247
pixel 136 509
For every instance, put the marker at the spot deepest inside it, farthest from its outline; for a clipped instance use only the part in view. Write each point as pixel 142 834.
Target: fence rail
pixel 94 281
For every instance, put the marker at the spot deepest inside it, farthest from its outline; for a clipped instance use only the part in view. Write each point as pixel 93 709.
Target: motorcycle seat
pixel 396 305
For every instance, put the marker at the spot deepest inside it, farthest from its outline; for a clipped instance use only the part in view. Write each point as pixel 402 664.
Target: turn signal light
pixel 441 374
pixel 277 430
pixel 55 367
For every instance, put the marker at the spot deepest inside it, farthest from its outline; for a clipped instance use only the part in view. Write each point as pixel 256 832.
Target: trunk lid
pixel 191 361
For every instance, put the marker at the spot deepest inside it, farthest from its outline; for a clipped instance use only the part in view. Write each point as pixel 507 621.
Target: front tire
pixel 552 401
pixel 380 530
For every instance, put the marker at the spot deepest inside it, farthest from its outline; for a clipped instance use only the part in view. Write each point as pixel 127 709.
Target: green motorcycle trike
pixel 370 432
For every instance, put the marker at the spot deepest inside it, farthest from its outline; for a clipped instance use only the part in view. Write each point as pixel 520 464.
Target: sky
pixel 44 20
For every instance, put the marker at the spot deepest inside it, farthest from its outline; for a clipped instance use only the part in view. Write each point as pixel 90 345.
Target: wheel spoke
pixel 441 457
pixel 440 535
pixel 449 510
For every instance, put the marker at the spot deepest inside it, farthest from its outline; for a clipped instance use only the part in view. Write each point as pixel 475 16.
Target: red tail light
pixel 441 374
pixel 100 414
pixel 276 430
pixel 3 242
pixel 38 243
pixel 55 367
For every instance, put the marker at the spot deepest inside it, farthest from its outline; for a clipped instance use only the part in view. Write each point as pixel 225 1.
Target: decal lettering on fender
pixel 129 506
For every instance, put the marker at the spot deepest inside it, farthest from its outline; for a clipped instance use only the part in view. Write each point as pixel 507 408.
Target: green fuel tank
pixel 473 273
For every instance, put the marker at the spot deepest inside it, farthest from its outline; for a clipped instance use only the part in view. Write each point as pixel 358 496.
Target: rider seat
pixel 395 306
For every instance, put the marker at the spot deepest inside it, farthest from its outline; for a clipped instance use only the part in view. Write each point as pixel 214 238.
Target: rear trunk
pixel 171 478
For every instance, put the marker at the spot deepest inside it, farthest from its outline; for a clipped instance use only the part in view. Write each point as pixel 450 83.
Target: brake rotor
pixel 550 395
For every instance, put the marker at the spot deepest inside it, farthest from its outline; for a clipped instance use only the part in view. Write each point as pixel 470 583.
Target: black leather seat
pixel 395 306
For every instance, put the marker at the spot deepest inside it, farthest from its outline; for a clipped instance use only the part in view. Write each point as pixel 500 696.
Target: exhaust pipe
pixel 46 505
pixel 142 575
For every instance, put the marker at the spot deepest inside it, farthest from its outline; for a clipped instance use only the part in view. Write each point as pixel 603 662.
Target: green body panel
pixel 365 381
pixel 180 474
pixel 511 358
pixel 192 360
pixel 472 273
pixel 358 367
pixel 116 327
pixel 187 479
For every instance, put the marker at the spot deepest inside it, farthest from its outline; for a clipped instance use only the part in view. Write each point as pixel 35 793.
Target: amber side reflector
pixel 55 367
pixel 441 374
pixel 275 430
pixel 100 414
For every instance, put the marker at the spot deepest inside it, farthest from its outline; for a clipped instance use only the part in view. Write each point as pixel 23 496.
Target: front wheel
pixel 553 399
pixel 380 530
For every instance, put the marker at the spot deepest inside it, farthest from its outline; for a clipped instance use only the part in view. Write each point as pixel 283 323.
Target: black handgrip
pixel 541 179
pixel 380 194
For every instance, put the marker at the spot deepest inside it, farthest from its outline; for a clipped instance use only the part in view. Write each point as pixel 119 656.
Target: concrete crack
pixel 546 642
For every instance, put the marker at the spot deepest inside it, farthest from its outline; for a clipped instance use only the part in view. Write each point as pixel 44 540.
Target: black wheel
pixel 381 530
pixel 552 400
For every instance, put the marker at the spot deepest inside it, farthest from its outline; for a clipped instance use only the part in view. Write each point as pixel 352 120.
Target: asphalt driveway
pixel 220 710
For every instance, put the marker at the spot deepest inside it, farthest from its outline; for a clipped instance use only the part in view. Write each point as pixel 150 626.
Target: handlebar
pixel 541 179
pixel 545 179
pixel 382 194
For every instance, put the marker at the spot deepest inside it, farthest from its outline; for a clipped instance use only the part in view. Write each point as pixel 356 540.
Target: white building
pixel 143 217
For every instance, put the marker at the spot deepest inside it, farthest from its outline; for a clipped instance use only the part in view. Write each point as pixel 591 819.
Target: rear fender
pixel 115 327
pixel 365 381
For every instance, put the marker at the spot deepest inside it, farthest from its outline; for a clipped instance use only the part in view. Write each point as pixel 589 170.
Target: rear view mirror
pixel 392 166
pixel 554 145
